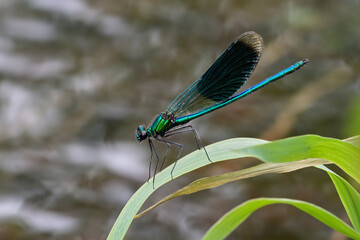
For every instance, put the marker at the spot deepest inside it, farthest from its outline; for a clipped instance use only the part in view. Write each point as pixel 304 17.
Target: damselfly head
pixel 141 133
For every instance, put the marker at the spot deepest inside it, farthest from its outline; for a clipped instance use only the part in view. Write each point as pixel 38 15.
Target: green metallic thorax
pixel 162 124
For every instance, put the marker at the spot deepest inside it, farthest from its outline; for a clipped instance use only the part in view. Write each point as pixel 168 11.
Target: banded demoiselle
pixel 213 90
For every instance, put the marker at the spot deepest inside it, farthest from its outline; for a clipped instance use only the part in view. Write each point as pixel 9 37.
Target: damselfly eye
pixel 141 133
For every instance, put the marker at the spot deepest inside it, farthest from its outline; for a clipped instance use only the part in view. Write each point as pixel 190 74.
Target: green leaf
pixel 345 155
pixel 348 195
pixel 215 181
pixel 224 226
pixel 265 168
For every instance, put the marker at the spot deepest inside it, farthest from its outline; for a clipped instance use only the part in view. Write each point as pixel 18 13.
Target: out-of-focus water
pixel 77 77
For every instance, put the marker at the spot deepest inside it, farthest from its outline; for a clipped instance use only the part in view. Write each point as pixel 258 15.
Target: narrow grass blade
pixel 224 226
pixel 214 181
pixel 348 195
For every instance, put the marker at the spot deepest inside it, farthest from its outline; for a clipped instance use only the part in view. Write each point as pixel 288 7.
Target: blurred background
pixel 78 76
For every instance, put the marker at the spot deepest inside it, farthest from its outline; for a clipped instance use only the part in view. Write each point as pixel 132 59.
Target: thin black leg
pixel 179 128
pixel 178 156
pixel 157 161
pixel 182 131
pixel 151 156
pixel 196 136
pixel 152 150
pixel 164 159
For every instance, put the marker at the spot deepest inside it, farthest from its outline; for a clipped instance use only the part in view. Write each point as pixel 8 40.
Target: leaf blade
pixel 224 226
pixel 348 195
pixel 315 146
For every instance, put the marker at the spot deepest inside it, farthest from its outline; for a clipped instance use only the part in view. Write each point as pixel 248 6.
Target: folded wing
pixel 225 76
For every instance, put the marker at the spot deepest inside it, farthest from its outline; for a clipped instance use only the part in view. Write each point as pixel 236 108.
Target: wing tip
pixel 251 39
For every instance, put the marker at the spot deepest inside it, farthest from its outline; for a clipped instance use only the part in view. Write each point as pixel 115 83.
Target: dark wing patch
pixel 225 76
pixel 231 70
